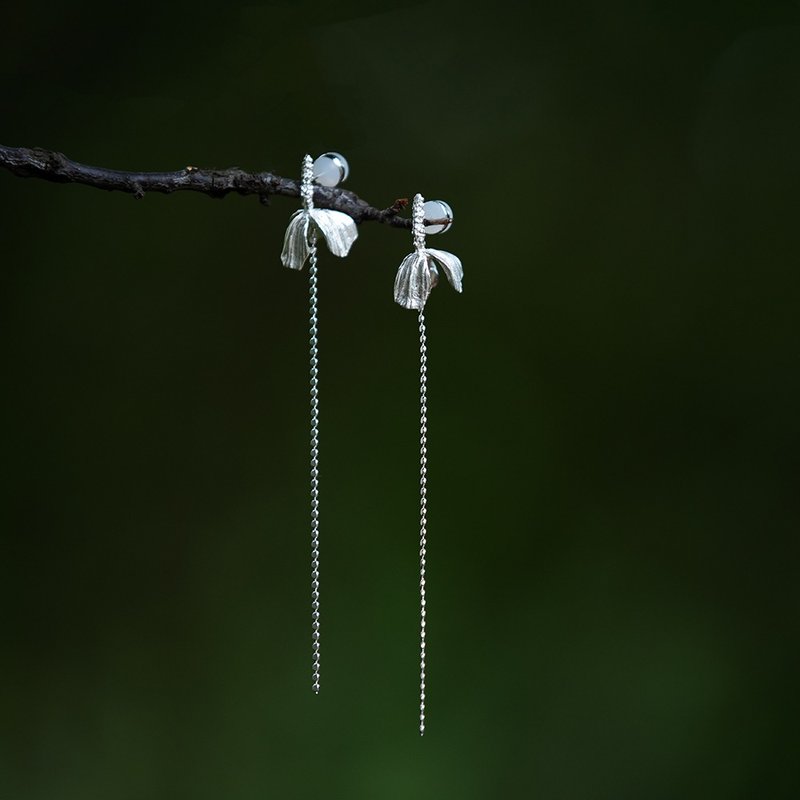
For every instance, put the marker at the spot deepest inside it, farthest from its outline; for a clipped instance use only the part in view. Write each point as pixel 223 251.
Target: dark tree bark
pixel 34 162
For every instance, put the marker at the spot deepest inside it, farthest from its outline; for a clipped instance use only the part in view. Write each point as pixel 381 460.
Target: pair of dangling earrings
pixel 416 277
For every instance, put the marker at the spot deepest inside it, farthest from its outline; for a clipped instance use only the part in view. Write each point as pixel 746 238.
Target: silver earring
pixel 417 276
pixel 300 244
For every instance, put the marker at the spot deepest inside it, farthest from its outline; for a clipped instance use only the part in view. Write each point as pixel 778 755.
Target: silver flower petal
pixel 450 264
pixel 414 281
pixel 295 243
pixel 338 229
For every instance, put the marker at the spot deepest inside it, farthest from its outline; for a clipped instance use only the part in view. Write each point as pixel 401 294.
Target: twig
pixel 34 162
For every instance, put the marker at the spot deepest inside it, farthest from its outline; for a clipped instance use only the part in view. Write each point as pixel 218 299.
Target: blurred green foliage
pixel 613 590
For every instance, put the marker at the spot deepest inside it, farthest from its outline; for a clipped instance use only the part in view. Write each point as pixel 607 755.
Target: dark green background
pixel 614 406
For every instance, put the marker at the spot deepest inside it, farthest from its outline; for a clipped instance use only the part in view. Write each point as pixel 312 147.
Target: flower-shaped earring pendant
pixel 338 230
pixel 418 273
pixel 299 246
pixel 417 276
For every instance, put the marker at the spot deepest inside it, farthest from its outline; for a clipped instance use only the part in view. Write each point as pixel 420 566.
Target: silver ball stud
pixel 330 169
pixel 441 212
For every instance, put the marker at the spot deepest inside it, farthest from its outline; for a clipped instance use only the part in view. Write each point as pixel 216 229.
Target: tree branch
pixel 34 162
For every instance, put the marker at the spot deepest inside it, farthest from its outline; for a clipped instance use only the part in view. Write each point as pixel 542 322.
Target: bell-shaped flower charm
pixel 299 246
pixel 337 228
pixel 418 272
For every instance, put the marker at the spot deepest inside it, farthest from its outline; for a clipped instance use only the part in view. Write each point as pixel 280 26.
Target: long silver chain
pixel 423 508
pixel 307 193
pixel 314 386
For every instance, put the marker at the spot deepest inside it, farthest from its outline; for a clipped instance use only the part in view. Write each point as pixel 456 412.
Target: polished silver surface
pixel 295 242
pixel 337 228
pixel 450 264
pixel 413 282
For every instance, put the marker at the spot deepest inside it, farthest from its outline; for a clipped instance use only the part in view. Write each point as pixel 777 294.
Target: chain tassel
pixel 300 245
pixel 423 508
pixel 307 194
pixel 314 463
